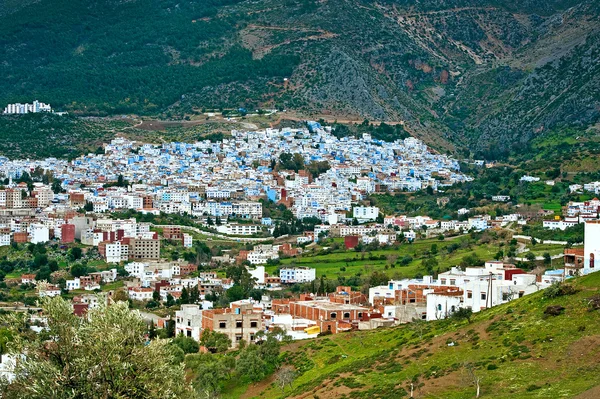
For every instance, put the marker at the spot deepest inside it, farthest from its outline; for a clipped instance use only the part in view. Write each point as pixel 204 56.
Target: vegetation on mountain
pixel 488 76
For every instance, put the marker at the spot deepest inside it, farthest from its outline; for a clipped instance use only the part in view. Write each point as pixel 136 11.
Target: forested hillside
pixel 487 75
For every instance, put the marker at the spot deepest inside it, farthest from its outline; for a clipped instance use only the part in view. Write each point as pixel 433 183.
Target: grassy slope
pixel 517 352
pixel 330 265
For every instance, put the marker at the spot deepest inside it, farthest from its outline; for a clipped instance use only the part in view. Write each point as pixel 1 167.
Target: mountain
pixel 538 346
pixel 483 77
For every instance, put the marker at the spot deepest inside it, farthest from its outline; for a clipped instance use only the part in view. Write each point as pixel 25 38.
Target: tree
pixel 187 344
pixel 473 377
pixel 215 341
pixel 463 314
pixel 57 186
pixel 170 300
pixel 100 356
pixel 185 296
pixel 210 372
pixel 151 330
pixel 250 365
pixel 284 377
pixel 75 253
pixel 547 259
pixel 78 270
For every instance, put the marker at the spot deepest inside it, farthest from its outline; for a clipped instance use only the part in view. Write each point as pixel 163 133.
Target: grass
pixel 348 263
pixel 518 352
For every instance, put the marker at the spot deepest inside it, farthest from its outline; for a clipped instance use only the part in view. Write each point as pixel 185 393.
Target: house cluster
pixel 169 279
pixel 344 310
pixel 302 317
pixel 395 227
pixel 226 178
pixel 18 108
pixel 476 288
pixel 573 214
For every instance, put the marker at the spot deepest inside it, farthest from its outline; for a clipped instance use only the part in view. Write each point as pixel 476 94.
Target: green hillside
pixel 487 76
pixel 515 350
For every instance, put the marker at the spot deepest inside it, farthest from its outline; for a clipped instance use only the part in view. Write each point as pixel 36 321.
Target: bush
pixel 187 344
pixel 559 289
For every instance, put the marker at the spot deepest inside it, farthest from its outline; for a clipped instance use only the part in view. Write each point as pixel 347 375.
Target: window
pixel 253 324
pixel 333 315
pixel 238 324
pixel 189 333
pixel 469 294
pixel 329 328
pixel 443 281
pixel 592 261
pixel 483 296
pixel 360 315
pixel 452 281
pixel 251 337
pixel 238 338
pixel 346 315
pixel 222 324
pixel 453 309
pixel 189 323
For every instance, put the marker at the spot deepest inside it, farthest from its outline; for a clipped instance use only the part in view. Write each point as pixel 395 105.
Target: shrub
pixel 559 289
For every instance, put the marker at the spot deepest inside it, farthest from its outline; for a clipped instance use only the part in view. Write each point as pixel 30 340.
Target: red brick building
pixel 67 233
pixel 350 242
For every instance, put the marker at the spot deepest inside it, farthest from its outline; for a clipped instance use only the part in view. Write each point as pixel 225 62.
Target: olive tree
pixel 102 355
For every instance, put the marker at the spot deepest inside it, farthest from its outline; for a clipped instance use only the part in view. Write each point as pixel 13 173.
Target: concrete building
pixel 188 321
pixel 365 213
pixel 289 275
pixel 591 247
pixel 67 233
pixel 242 320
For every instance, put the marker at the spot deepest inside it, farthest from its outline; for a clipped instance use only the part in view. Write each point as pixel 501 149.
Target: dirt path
pixel 328 119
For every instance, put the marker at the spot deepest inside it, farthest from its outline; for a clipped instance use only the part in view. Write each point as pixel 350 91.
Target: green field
pixel 349 263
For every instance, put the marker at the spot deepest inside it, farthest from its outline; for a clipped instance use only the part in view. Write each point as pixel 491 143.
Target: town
pixel 232 236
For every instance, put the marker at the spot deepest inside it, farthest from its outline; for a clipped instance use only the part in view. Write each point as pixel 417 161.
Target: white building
pixel 365 213
pixel 18 108
pixel 136 269
pixel 38 233
pixel 239 229
pixel 591 247
pixel 258 273
pixel 74 284
pixel 187 240
pixel 297 274
pixel 116 252
pixel 141 293
pixel 4 240
pixel 478 223
pixel 559 224
pixel 188 321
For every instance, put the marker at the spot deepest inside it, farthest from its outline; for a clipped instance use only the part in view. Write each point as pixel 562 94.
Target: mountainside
pixel 517 350
pixel 486 75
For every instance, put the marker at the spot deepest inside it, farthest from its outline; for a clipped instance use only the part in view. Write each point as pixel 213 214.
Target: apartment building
pixel 240 321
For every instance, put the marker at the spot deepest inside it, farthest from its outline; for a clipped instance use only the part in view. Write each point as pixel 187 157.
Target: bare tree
pixel 474 378
pixel 285 376
pixel 418 325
